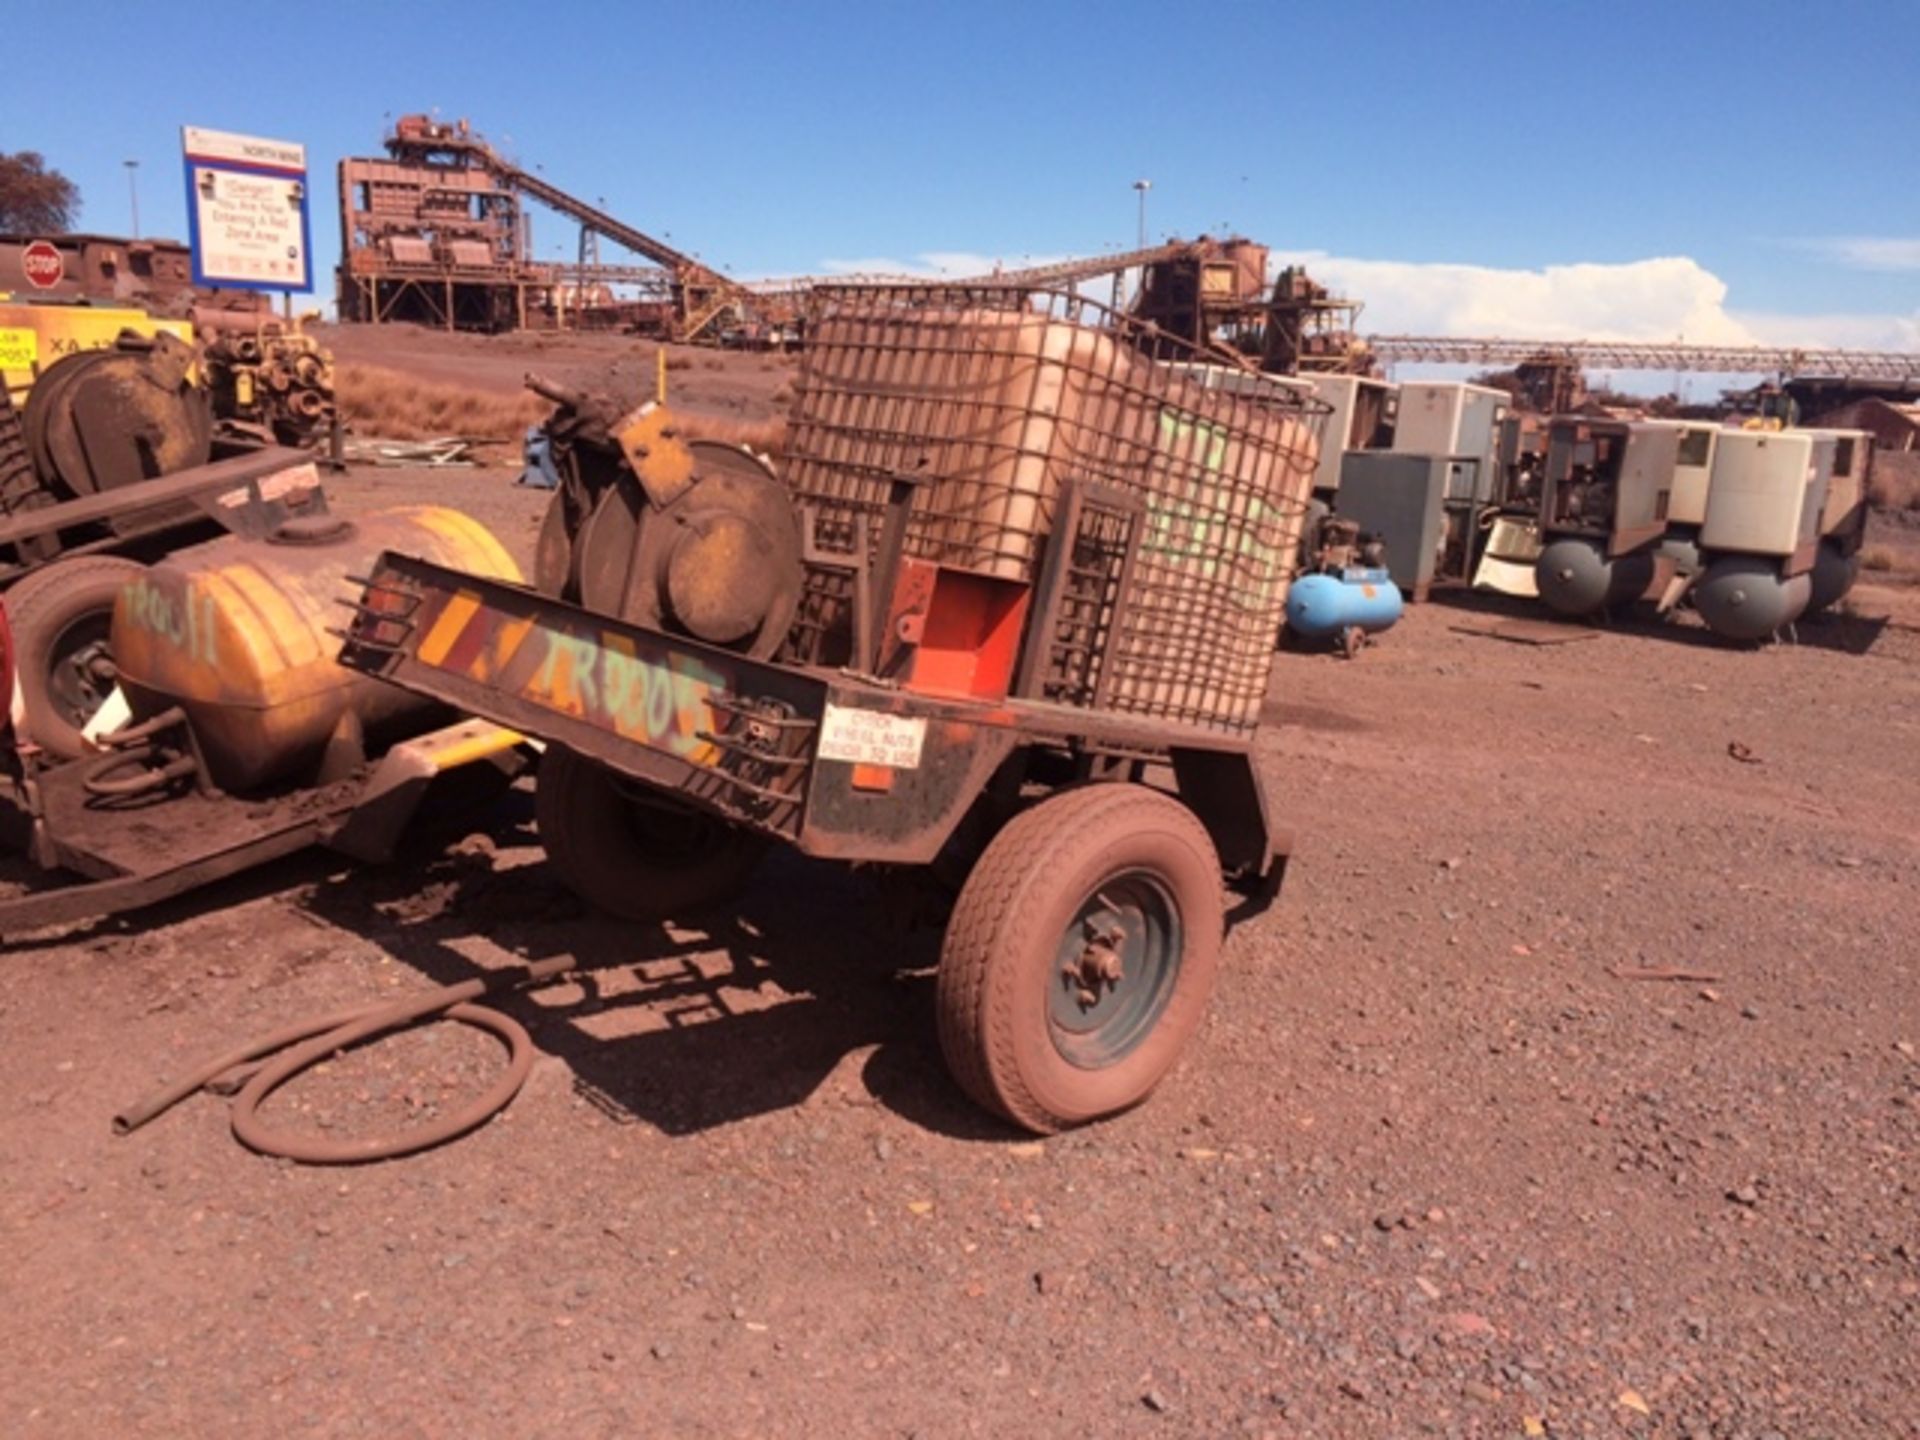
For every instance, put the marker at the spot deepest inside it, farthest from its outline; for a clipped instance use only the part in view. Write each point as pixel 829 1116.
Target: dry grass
pixel 392 406
pixel 1877 557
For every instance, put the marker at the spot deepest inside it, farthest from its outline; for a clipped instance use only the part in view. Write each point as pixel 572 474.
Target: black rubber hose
pixel 315 1040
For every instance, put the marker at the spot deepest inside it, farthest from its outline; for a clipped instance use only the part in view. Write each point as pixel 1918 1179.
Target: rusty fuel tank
pixel 235 633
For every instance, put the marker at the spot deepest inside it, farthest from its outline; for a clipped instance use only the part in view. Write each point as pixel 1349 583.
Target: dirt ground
pixel 1438 1163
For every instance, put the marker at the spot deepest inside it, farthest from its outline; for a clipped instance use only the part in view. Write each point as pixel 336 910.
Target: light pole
pixel 1143 186
pixel 133 192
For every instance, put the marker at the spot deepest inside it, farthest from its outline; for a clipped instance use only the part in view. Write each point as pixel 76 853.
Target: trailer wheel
pixel 62 616
pixel 631 850
pixel 1080 956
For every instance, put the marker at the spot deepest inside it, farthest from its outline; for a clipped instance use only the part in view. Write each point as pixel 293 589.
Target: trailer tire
pixel 1053 889
pixel 631 851
pixel 62 615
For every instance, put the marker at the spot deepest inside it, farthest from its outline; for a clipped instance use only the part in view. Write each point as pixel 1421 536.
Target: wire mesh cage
pixel 1191 479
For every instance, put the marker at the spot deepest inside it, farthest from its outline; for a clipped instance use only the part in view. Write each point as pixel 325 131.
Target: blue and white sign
pixel 247 211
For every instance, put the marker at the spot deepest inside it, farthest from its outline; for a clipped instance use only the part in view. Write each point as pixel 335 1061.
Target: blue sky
pixel 1504 168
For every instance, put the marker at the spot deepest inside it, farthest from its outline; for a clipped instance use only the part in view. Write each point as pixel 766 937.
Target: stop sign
pixel 42 265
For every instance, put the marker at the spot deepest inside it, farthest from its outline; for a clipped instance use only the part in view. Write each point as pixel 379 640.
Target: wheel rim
pixel 80 669
pixel 1114 970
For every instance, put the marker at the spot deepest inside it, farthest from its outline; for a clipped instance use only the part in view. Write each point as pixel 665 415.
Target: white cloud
pixel 1654 299
pixel 1660 299
pixel 1867 252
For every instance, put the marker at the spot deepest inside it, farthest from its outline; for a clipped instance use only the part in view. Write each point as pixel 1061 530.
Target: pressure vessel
pixel 1834 574
pixel 1682 550
pixel 1325 607
pixel 236 633
pixel 1576 577
pixel 1745 597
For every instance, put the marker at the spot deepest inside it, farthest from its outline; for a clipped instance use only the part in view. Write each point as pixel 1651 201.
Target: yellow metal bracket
pixel 650 440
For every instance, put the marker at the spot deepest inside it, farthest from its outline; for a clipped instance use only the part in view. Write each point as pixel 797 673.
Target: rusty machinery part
pixel 1080 955
pixel 276 382
pixel 21 488
pixel 1332 543
pixel 553 551
pixel 62 617
pixel 237 632
pixel 319 1039
pixel 696 539
pixel 589 462
pixel 630 849
pixel 602 549
pixel 106 418
pixel 155 757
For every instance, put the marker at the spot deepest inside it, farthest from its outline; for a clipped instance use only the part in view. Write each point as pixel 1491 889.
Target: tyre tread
pixel 29 604
pixel 978 1040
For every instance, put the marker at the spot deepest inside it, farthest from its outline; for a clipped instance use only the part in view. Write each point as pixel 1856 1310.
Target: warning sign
pixel 869 737
pixel 247 210
pixel 19 349
pixel 40 262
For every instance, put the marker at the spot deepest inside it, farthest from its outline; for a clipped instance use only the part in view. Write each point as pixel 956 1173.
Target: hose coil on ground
pixel 249 1070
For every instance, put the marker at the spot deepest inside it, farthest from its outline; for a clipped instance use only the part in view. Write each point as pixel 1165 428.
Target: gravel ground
pixel 1440 1161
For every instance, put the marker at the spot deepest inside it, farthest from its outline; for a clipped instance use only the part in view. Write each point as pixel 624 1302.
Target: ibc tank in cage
pixel 987 400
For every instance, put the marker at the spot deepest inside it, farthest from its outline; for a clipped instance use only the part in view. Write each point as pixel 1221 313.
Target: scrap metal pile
pixel 101 419
pixel 159 676
pixel 276 382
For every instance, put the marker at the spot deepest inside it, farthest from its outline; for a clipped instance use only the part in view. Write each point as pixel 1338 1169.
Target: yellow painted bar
pixel 435 644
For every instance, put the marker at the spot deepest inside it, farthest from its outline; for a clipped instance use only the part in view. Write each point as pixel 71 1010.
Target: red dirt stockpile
pixel 1436 1163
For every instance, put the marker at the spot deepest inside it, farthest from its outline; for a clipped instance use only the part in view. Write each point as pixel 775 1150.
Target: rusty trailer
pixel 243 740
pixel 142 822
pixel 1002 624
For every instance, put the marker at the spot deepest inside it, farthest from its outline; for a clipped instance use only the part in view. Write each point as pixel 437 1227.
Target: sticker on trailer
pixel 19 349
pixel 295 479
pixel 869 737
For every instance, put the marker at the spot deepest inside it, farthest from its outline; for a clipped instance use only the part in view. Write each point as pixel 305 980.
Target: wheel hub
pixel 1100 963
pixel 1114 970
pixel 82 680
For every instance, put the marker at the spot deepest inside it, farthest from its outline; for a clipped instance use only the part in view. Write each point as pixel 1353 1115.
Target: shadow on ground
pixel 745 1010
pixel 1833 630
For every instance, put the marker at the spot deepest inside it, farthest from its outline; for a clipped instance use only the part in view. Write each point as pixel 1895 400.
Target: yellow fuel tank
pixel 235 632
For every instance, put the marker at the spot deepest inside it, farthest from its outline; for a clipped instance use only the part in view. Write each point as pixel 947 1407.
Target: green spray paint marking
pixel 1175 428
pixel 1200 541
pixel 184 622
